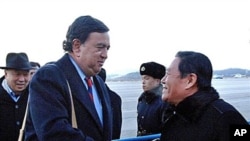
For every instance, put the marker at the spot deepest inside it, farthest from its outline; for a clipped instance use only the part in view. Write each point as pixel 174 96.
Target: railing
pixel 141 138
pixel 146 138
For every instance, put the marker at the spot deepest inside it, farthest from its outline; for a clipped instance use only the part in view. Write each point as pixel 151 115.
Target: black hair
pixel 81 28
pixel 35 64
pixel 197 63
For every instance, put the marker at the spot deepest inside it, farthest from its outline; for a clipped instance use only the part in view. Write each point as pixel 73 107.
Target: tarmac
pixel 236 93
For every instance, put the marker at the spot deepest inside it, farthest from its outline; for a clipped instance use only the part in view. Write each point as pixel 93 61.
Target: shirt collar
pixel 79 71
pixel 9 90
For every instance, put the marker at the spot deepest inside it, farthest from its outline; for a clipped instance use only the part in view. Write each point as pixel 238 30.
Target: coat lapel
pixel 79 91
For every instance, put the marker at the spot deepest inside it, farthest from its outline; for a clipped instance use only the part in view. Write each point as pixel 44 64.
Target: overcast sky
pixel 140 30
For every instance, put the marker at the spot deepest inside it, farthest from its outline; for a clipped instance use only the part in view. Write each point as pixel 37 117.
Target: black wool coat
pixel 116 103
pixel 11 114
pixel 200 117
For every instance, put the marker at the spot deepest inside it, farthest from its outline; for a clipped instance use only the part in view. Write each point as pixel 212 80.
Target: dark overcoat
pixel 116 103
pixel 11 114
pixel 200 117
pixel 50 106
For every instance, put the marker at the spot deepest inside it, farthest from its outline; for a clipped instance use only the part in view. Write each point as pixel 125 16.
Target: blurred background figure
pixel 35 67
pixel 150 106
pixel 116 103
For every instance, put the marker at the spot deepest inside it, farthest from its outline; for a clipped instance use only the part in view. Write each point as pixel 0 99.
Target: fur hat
pixel 17 61
pixel 153 69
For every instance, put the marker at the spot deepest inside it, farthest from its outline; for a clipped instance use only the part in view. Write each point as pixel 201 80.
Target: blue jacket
pixel 149 109
pixel 50 107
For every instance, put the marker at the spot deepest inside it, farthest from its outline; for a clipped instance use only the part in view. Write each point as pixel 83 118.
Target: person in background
pixel 86 49
pixel 13 95
pixel 150 105
pixel 35 67
pixel 196 112
pixel 116 103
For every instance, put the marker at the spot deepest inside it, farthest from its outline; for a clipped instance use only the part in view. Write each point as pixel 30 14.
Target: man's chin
pixel 164 97
pixel 20 89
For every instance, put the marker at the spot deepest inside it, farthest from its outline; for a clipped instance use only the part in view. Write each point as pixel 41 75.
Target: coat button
pixel 18 123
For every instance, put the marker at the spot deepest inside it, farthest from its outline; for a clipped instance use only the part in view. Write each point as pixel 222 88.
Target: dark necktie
pixel 89 83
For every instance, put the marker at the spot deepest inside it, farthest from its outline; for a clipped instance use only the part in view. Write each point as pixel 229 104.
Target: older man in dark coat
pixel 196 113
pixel 13 95
pixel 50 111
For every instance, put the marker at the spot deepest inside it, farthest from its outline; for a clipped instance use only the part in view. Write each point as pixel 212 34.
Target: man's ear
pixel 191 80
pixel 76 43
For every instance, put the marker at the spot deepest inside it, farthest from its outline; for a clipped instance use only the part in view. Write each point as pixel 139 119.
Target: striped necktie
pixel 90 84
